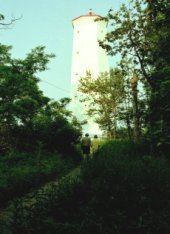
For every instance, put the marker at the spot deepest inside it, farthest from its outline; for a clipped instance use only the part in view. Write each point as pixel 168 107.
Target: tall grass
pixel 119 191
pixel 20 173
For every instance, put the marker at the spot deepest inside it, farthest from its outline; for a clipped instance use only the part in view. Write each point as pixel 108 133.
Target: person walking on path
pixel 85 145
pixel 95 145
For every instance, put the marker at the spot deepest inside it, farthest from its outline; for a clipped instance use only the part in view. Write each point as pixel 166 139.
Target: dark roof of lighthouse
pixel 90 14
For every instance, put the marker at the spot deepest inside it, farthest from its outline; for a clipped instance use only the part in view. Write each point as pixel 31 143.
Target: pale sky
pixel 48 23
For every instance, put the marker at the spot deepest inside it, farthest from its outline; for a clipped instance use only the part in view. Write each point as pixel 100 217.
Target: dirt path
pixel 29 200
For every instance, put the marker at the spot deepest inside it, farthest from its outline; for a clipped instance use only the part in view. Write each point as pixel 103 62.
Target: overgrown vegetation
pixel 126 187
pixel 27 117
pixel 20 173
pixel 121 191
pixel 38 136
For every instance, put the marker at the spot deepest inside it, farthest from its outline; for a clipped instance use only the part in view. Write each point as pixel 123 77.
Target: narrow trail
pixel 30 199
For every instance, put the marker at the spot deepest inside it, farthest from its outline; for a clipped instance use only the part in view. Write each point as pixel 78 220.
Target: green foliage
pixel 21 173
pixel 159 112
pixel 140 33
pixel 120 192
pixel 27 117
pixel 159 103
pixel 103 96
pixel 130 35
pixel 20 97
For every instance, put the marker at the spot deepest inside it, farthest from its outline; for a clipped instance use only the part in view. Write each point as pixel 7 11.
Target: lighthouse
pixel 87 56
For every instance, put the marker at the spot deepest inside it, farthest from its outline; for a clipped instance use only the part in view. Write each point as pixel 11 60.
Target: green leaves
pixel 37 60
pixel 104 94
pixel 20 96
pixel 27 117
pixel 140 32
pixel 4 54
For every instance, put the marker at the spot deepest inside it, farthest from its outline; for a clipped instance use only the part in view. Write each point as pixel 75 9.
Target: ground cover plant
pixel 119 191
pixel 20 173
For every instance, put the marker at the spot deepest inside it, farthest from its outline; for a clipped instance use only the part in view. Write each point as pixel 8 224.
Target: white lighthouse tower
pixel 87 56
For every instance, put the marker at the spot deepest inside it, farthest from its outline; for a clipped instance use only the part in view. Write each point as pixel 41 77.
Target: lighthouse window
pixel 78 31
pixel 77 52
pixel 76 74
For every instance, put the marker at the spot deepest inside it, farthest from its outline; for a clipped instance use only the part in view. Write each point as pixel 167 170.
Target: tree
pixel 29 119
pixel 134 84
pixel 5 25
pixel 158 118
pixel 20 97
pixel 132 110
pixel 141 32
pixel 128 36
pixel 102 97
pixel 53 128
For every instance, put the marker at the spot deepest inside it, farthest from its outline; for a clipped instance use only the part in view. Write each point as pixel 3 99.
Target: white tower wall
pixel 87 56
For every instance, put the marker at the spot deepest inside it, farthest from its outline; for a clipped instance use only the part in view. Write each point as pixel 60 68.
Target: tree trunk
pixel 115 124
pixel 136 115
pixel 128 127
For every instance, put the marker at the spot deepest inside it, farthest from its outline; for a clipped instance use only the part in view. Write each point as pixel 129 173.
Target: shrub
pixel 117 192
pixel 21 172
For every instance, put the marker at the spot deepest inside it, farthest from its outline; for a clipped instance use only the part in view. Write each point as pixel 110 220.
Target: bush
pixel 21 172
pixel 117 192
